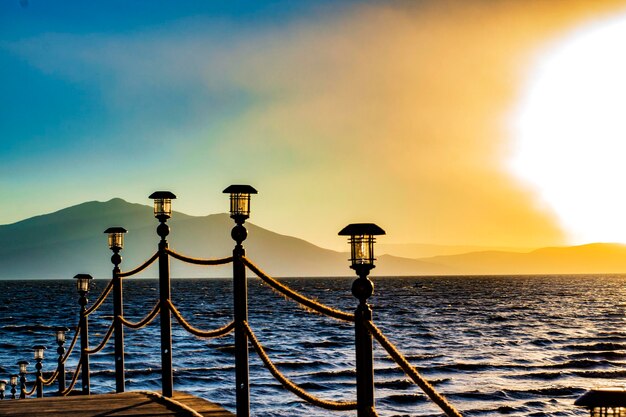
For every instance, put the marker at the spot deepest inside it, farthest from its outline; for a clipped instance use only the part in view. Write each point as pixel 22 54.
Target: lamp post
pixel 60 337
pixel 3 387
pixel 362 258
pixel 163 211
pixel 239 212
pixel 13 382
pixel 39 350
pixel 23 371
pixel 83 282
pixel 116 244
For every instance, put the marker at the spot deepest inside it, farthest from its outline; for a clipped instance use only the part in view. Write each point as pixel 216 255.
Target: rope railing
pixel 329 405
pixel 222 331
pixel 100 299
pixel 50 380
pixel 104 341
pixel 199 261
pixel 296 296
pixel 68 352
pixel 140 267
pixel 145 321
pixel 30 392
pixel 411 372
pixel 69 389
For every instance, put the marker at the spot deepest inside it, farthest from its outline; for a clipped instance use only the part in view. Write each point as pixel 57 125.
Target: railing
pixel 365 331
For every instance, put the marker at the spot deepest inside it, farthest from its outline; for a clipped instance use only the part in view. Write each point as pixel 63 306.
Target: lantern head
pixel 13 380
pixel 83 282
pixel 60 334
pixel 3 385
pixel 362 243
pixel 23 365
pixel 162 204
pixel 116 237
pixel 240 201
pixel 38 350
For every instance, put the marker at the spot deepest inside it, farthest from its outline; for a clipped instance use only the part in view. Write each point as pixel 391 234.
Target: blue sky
pixel 337 112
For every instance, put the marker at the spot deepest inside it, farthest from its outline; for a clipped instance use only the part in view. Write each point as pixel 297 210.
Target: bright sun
pixel 570 132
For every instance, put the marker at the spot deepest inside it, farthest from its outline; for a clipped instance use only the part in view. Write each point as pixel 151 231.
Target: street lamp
pixel 23 365
pixel 362 258
pixel 162 204
pixel 13 383
pixel 240 201
pixel 83 282
pixel 3 387
pixel 60 336
pixel 39 349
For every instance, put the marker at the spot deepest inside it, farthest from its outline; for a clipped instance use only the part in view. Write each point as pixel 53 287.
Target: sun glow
pixel 570 133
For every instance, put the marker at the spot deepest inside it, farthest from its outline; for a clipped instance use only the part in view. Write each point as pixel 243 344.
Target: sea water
pixel 510 345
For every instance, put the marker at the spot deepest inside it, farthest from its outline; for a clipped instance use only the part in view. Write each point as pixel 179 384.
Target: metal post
pixel 240 294
pixel 61 366
pixel 118 312
pixel 84 342
pixel 166 320
pixel 22 386
pixel 363 288
pixel 38 380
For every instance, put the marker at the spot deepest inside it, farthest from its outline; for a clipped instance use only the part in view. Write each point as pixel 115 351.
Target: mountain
pixel 71 241
pixel 594 258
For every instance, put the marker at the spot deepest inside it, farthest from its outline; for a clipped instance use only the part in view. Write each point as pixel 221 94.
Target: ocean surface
pixel 516 345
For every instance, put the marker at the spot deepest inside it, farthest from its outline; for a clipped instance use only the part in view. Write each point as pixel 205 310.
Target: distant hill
pixel 592 258
pixel 71 241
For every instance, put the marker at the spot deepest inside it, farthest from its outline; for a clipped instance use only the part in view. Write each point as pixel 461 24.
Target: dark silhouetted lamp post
pixel 362 258
pixel 83 283
pixel 3 387
pixel 239 212
pixel 23 365
pixel 116 244
pixel 60 337
pixel 13 383
pixel 163 211
pixel 38 353
pixel 604 402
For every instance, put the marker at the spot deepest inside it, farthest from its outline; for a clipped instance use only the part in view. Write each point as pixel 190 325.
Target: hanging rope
pixel 222 331
pixel 329 405
pixel 74 379
pixel 32 390
pixel 146 320
pixel 199 261
pixel 412 372
pixel 140 267
pixel 69 350
pixel 372 412
pixel 100 299
pixel 50 380
pixel 102 344
pixel 305 301
pixel 185 408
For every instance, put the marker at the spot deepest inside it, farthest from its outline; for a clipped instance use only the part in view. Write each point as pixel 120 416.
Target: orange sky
pixel 397 113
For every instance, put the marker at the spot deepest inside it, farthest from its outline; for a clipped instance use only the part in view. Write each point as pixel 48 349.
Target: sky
pixel 434 119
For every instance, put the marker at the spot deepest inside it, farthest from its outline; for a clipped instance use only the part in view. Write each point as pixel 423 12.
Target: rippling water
pixel 520 346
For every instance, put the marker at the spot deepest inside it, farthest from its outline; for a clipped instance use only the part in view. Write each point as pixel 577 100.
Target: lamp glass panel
pixel 82 284
pixel 3 385
pixel 14 380
pixel 162 206
pixel 38 354
pixel 23 368
pixel 240 204
pixel 116 240
pixel 61 336
pixel 362 249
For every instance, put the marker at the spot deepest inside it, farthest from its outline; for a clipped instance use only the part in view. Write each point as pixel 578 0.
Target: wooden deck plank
pixel 128 404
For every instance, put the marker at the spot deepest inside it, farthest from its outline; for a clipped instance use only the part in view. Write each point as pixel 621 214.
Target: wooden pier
pixel 135 404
